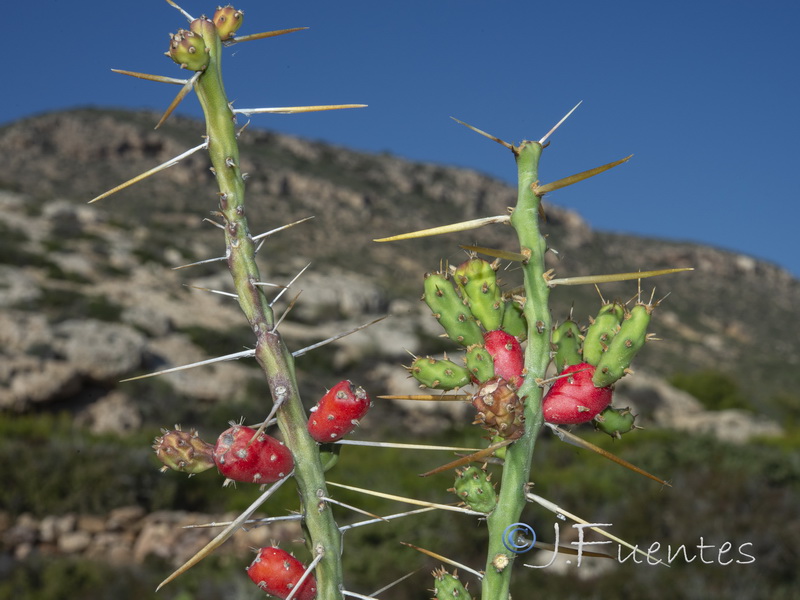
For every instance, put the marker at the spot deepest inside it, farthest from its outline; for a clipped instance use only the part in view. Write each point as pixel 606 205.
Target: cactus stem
pixel 288 110
pixel 171 162
pixel 262 35
pixel 444 559
pixel 225 533
pixel 404 446
pixel 407 513
pixel 552 506
pixel 541 190
pixel 594 279
pixel 484 134
pixel 449 507
pixel 455 227
pixel 569 438
pixel 557 125
pixel 281 228
pixel 149 77
pixel 430 397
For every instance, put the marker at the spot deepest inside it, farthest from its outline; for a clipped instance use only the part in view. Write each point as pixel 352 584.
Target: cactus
pixel 483 321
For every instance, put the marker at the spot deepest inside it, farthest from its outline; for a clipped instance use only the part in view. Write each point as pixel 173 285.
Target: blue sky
pixel 704 93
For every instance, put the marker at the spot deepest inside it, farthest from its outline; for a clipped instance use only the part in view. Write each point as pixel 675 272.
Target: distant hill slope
pixel 734 314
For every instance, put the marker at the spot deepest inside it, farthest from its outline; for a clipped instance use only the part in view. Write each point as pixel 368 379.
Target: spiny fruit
pixel 439 373
pixel 575 399
pixel 239 457
pixel 227 20
pixel 474 487
pixel 477 282
pixel 448 308
pixel 277 572
pixel 188 49
pixel 338 412
pixel 616 361
pixel 509 361
pixel 615 421
pixel 183 451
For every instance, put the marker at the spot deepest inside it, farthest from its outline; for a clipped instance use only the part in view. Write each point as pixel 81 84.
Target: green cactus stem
pixel 601 331
pixel 615 421
pixel 566 341
pixel 443 300
pixel 322 535
pixel 439 374
pixel 477 281
pixel 475 489
pixel 624 347
pixel 514 320
pixel 479 363
pixel 516 472
pixel 448 586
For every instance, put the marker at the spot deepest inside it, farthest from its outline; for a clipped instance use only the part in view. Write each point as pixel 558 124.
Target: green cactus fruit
pixel 477 281
pixel 615 421
pixel 439 374
pixel 514 320
pixel 623 348
pixel 450 311
pixel 474 487
pixel 449 587
pixel 500 409
pixel 183 451
pixel 602 330
pixel 479 364
pixel 567 343
pixel 227 21
pixel 188 49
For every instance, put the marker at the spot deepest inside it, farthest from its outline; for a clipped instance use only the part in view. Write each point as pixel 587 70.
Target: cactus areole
pixel 573 398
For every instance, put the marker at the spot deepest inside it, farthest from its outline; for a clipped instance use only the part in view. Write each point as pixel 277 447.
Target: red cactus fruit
pixel 265 460
pixel 575 399
pixel 509 361
pixel 277 572
pixel 338 412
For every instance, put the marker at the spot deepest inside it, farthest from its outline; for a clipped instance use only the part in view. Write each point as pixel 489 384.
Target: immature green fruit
pixel 477 282
pixel 615 421
pixel 449 310
pixel 183 451
pixel 624 346
pixel 449 587
pixel 439 374
pixel 227 21
pixel 479 363
pixel 514 320
pixel 474 487
pixel 188 50
pixel 500 409
pixel 602 330
pixel 567 343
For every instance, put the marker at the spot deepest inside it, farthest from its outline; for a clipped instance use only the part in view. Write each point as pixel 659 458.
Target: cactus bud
pixel 227 20
pixel 623 348
pixel 439 374
pixel 575 399
pixel 602 330
pixel 615 421
pixel 183 451
pixel 477 282
pixel 188 50
pixel 449 587
pixel 474 487
pixel 500 409
pixel 449 310
pixel 479 363
pixel 567 342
